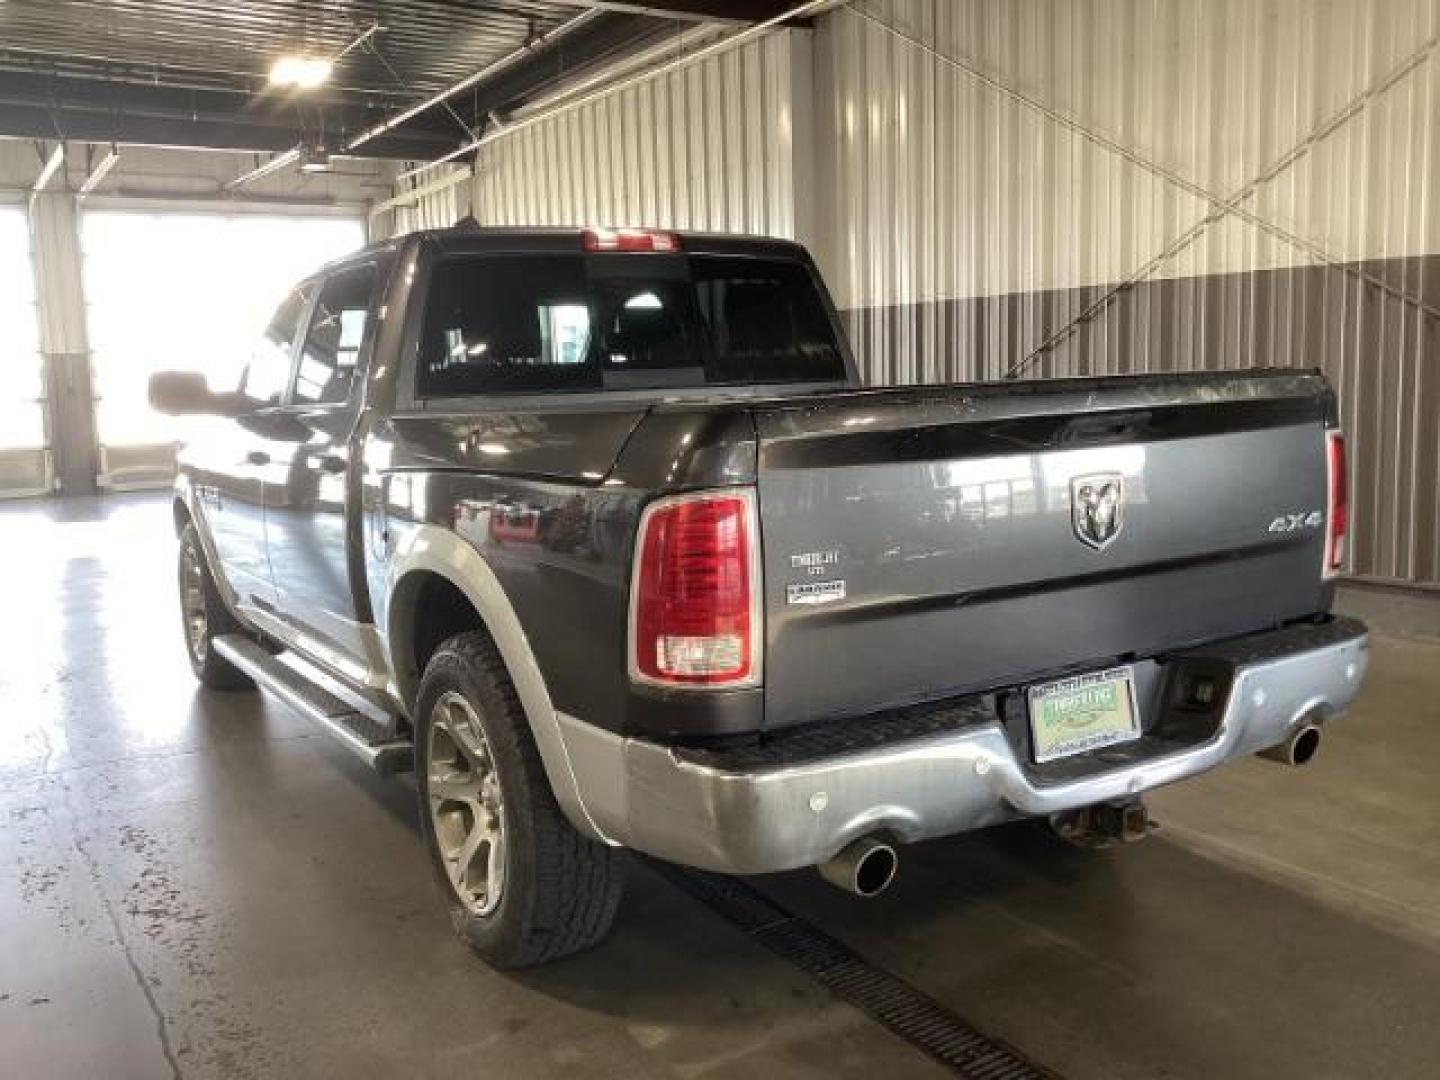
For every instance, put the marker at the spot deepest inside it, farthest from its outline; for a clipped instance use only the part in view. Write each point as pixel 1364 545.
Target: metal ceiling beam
pixel 726 11
pixel 542 43
pixel 440 41
pixel 42 106
pixel 730 41
pixel 574 49
pixel 603 46
pixel 582 81
pixel 335 91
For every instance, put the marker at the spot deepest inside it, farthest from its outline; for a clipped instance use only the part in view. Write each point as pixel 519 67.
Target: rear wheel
pixel 523 886
pixel 205 617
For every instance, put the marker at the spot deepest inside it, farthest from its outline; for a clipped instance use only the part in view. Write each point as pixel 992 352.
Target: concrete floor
pixel 200 885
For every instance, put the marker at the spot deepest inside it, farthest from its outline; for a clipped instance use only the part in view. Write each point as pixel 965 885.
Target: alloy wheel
pixel 192 602
pixel 466 809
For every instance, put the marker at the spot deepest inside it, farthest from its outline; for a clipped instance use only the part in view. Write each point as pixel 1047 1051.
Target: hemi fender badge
pixel 815 592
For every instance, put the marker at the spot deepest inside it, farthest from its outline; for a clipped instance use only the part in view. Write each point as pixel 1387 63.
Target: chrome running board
pixel 298 683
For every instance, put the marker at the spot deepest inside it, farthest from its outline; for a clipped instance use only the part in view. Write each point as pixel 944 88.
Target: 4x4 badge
pixel 1097 508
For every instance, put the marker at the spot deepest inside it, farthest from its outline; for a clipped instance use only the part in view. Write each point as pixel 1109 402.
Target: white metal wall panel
pixel 1072 187
pixel 438 205
pixel 993 178
pixel 946 187
pixel 709 147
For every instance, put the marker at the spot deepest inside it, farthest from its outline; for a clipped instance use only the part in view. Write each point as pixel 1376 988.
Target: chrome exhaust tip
pixel 865 867
pixel 1298 749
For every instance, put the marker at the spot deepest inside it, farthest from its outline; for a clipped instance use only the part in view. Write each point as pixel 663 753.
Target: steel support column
pixel 64 343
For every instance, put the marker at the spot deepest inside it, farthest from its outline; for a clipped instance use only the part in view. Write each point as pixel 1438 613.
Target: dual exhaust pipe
pixel 1299 749
pixel 867 867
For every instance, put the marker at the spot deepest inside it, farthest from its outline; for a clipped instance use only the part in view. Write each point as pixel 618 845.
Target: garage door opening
pixel 24 463
pixel 183 291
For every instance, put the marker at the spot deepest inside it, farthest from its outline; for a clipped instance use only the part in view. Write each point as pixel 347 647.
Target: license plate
pixel 1084 712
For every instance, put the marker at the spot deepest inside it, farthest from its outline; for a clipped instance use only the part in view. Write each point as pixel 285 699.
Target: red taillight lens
pixel 1337 512
pixel 628 240
pixel 693 616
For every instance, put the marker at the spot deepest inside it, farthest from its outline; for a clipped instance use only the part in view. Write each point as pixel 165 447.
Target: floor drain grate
pixel 907 1012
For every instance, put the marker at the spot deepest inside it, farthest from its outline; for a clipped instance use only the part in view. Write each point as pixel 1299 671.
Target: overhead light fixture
pixel 301 72
pixel 275 164
pixel 51 166
pixel 315 159
pixel 103 166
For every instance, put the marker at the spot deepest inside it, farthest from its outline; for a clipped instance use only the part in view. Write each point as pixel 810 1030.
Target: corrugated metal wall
pixel 437 205
pixel 708 147
pixel 999 166
pixel 1072 187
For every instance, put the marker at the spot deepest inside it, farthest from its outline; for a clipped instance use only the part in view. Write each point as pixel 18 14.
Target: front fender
pixel 194 508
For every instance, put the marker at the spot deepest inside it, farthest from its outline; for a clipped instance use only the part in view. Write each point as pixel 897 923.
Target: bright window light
pixel 20 417
pixel 187 291
pixel 305 72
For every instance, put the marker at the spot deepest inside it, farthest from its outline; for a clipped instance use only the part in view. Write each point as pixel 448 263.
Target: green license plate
pixel 1084 712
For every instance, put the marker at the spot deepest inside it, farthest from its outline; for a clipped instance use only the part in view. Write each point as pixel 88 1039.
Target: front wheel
pixel 205 617
pixel 523 886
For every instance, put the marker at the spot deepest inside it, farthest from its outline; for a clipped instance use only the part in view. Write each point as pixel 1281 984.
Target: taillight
pixel 694 593
pixel 1337 508
pixel 628 240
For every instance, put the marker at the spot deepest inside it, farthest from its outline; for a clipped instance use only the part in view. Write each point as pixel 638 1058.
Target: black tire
pixel 560 890
pixel 204 617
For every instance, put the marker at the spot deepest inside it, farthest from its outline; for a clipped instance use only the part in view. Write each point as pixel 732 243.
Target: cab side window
pixel 269 366
pixel 330 357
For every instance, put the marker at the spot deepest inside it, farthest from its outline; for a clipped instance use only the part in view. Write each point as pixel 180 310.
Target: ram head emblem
pixel 1097 508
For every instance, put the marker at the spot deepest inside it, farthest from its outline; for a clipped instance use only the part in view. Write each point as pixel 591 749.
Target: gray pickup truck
pixel 598 533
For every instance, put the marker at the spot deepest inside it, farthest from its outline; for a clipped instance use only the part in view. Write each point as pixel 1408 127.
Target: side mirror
pixel 177 393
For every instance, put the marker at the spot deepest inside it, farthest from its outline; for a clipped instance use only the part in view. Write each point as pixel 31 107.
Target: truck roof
pixel 478 238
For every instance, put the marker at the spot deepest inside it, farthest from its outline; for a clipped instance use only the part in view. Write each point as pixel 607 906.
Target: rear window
pixel 524 323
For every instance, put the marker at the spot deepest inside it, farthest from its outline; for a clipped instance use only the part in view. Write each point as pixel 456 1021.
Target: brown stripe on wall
pixel 1381 354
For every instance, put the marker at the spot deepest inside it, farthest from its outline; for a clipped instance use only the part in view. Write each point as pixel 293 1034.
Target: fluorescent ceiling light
pixel 103 166
pixel 304 72
pixel 275 164
pixel 51 166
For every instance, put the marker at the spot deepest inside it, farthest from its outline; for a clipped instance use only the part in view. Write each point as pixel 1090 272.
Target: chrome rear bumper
pixel 757 816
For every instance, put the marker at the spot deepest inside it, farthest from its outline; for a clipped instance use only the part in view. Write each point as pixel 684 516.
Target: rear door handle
pixel 332 463
pixel 257 457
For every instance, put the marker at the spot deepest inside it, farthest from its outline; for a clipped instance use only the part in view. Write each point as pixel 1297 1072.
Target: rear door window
pixel 506 323
pixel 533 323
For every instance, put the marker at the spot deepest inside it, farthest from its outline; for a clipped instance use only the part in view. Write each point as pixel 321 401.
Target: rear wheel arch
pixel 426 608
pixel 442 570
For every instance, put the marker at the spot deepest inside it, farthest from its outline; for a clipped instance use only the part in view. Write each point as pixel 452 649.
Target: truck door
pixel 230 477
pixel 307 531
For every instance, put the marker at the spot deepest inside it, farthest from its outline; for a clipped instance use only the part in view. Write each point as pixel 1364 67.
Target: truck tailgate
pixel 921 543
